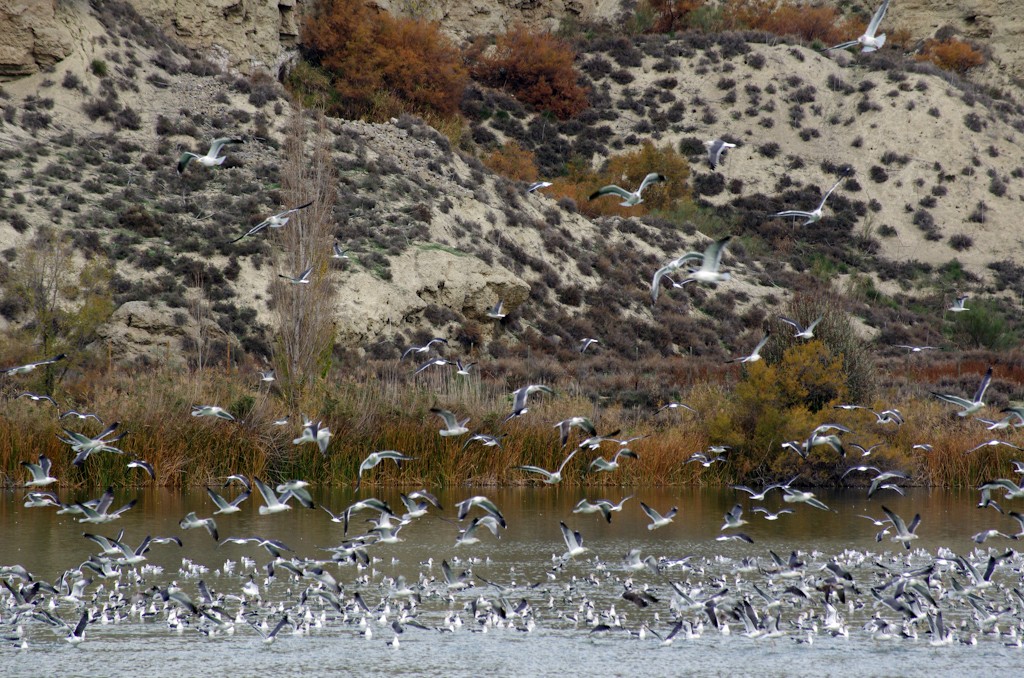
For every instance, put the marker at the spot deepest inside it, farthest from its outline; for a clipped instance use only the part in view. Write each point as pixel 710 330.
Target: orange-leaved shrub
pixel 824 23
pixel 379 65
pixel 951 55
pixel 512 161
pixel 536 68
pixel 627 170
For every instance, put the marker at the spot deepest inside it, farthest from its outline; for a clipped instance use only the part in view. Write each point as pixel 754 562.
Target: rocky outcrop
pixel 32 37
pixel 423 277
pixel 150 332
pixel 235 33
pixel 463 19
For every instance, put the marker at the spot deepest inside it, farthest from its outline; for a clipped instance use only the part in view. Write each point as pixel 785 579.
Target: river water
pixel 572 617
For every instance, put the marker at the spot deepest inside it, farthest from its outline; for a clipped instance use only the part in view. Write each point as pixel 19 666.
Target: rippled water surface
pixel 553 633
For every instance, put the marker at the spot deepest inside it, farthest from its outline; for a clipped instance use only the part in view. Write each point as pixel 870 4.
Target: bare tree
pixel 304 311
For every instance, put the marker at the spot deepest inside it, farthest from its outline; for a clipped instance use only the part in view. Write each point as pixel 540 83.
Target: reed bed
pixel 383 408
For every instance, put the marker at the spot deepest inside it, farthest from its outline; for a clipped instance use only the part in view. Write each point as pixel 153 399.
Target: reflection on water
pixel 553 633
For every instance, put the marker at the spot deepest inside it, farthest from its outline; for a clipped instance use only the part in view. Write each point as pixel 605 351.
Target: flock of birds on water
pixel 910 594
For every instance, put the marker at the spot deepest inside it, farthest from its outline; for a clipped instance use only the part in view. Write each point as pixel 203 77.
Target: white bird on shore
pixel 868 41
pixel 755 355
pixel 279 220
pixel 629 199
pixel 716 149
pixel 212 156
pixel 977 401
pixel 813 216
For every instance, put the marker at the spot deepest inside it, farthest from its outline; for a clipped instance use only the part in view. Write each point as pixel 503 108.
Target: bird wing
pixel 985 381
pixel 184 160
pixel 713 254
pixel 794 213
pixel 843 45
pixel 834 186
pixel 611 189
pixel 956 400
pixel 449 419
pixel 220 143
pixel 651 513
pixel 877 18
pixel 760 345
pixel 651 178
pixel 566 460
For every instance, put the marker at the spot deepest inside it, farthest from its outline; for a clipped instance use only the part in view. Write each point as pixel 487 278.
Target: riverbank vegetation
pixel 381 405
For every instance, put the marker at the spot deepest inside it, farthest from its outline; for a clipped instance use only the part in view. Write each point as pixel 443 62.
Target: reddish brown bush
pixel 951 55
pixel 512 161
pixel 537 68
pixel 377 63
pixel 810 23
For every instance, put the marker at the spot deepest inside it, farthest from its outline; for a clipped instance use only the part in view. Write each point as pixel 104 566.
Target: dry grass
pixel 382 407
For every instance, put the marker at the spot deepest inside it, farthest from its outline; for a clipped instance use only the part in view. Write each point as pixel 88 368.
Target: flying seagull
pixel 973 405
pixel 868 41
pixel 376 458
pixel 629 199
pixel 958 305
pixel 711 260
pixel 211 411
pixel 657 519
pixel 537 185
pixel 716 149
pixel 337 252
pixel 549 477
pixel 278 220
pixel 24 369
pixel 755 355
pixel 803 332
pixel 452 425
pixel 496 312
pixel 301 279
pixel 520 395
pixel 425 347
pixel 212 156
pixel 40 472
pixel 811 217
pixel 903 533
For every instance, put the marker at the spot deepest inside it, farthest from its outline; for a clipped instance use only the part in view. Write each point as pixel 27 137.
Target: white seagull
pixel 903 533
pixel 716 149
pixel 973 405
pixel 301 279
pixel 803 332
pixel 755 355
pixel 314 433
pixel 211 411
pixel 573 542
pixel 869 42
pixel 40 472
pixel 520 395
pixel 279 220
pixel 549 477
pixel 958 305
pixel 629 199
pixel 376 458
pixel 24 369
pixel 711 260
pixel 212 156
pixel 496 311
pixel 452 425
pixel 657 519
pixel 811 217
